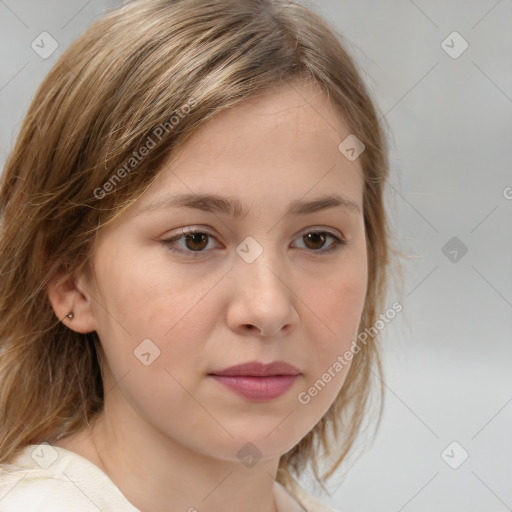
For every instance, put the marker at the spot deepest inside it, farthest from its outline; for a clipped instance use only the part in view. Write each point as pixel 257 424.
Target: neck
pixel 160 474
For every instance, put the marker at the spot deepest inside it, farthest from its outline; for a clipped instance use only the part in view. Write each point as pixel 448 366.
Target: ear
pixel 67 294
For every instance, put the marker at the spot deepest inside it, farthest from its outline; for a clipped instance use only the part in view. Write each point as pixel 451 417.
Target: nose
pixel 263 301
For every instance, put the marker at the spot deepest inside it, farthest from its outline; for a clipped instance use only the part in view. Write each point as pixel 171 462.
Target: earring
pixel 70 315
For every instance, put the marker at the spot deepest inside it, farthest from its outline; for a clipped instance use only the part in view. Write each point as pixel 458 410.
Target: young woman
pixel 194 247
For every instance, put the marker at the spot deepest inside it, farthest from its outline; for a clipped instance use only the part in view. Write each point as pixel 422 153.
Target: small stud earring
pixel 70 315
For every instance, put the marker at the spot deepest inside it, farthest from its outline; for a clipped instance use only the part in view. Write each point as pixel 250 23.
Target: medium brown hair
pixel 135 69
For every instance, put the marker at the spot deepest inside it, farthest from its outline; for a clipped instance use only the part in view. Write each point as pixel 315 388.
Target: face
pixel 269 284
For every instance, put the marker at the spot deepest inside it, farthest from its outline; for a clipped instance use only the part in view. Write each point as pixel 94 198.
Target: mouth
pixel 257 381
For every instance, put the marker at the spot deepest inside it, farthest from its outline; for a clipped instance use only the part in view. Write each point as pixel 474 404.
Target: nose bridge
pixel 262 297
pixel 260 264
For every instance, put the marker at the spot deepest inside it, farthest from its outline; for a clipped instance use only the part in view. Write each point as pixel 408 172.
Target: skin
pixel 169 434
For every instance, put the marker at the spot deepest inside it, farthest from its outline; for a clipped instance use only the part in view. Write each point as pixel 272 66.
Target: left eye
pixel 195 241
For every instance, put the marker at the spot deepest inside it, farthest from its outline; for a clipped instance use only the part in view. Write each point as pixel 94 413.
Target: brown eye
pixel 196 241
pixel 314 240
pixel 193 242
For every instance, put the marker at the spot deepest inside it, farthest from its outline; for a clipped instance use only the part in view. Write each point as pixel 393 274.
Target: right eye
pixel 194 242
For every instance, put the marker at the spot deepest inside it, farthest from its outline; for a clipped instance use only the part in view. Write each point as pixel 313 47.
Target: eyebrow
pixel 232 206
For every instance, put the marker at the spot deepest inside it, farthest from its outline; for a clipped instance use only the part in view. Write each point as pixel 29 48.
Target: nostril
pixel 251 327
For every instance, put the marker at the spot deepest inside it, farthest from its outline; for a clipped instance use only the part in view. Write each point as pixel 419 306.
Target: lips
pixel 256 381
pixel 257 369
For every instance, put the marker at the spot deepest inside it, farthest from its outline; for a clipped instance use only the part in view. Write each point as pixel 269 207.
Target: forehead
pixel 299 107
pixel 276 146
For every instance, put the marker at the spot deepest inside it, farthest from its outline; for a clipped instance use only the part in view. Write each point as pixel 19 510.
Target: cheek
pixel 149 340
pixel 336 309
pixel 344 307
pixel 141 297
pixel 149 315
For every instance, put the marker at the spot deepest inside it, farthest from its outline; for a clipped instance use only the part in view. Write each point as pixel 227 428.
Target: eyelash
pixel 335 246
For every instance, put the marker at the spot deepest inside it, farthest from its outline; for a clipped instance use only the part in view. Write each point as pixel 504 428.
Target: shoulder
pixel 28 490
pixel 50 479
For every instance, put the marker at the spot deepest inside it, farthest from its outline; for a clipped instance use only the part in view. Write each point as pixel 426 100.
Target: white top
pixel 45 478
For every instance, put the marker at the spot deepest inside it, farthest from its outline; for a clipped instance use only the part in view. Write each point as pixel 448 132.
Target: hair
pixel 134 70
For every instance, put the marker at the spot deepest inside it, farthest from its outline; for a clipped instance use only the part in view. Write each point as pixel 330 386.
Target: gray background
pixel 448 354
